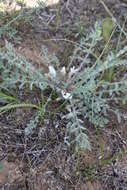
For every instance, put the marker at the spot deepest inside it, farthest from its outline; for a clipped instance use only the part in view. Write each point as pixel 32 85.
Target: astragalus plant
pixel 81 85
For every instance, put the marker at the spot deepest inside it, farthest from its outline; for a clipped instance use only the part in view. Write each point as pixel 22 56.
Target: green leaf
pixel 5 96
pixel 108 76
pixel 14 106
pixel 107 27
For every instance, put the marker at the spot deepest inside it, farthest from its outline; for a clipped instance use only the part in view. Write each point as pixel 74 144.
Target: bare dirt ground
pixel 42 161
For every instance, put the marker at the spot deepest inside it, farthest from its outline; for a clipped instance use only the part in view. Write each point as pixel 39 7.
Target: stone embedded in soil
pixel 10 173
pixel 33 3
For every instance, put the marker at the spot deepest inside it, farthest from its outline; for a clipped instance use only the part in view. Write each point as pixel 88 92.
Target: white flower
pixel 52 71
pixel 63 71
pixel 72 71
pixel 66 95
